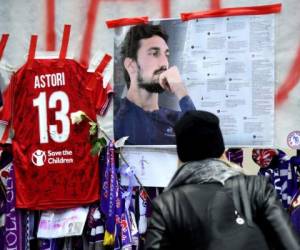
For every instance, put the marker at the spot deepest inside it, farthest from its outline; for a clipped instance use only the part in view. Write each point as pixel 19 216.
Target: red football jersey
pixel 53 164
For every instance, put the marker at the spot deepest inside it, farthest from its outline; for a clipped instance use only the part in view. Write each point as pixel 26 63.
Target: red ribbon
pixel 252 10
pixel 3 42
pixel 126 21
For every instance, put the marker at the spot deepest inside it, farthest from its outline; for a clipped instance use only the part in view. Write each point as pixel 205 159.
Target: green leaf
pixel 97 145
pixel 96 148
pixel 82 116
pixel 102 141
pixel 93 128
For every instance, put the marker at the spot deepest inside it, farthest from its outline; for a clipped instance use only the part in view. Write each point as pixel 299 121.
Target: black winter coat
pixel 199 211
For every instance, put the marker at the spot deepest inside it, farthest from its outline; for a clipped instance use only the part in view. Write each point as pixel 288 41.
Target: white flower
pixel 77 117
pixel 120 143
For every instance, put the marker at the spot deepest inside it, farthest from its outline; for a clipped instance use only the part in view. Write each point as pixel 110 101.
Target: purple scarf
pixel 13 224
pixel 110 196
pixel 235 155
pixel 109 191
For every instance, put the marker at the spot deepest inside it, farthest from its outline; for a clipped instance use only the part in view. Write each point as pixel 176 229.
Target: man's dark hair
pixel 131 43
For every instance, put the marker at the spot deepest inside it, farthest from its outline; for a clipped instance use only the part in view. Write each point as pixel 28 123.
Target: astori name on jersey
pixel 49 80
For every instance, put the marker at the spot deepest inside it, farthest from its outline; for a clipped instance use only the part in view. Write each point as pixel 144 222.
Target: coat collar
pixel 205 171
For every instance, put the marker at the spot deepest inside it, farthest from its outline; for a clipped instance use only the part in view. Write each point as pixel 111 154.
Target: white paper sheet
pixel 153 166
pixel 62 223
pixel 228 67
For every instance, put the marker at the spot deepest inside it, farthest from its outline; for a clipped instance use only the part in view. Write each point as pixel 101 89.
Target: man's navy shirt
pixel 148 127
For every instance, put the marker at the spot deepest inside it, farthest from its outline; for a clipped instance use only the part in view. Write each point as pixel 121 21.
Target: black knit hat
pixel 198 136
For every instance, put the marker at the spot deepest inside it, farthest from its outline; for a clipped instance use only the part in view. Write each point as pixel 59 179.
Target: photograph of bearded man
pixel 147 72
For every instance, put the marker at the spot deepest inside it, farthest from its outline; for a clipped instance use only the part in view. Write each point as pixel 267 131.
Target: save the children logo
pixel 38 157
pixel 293 140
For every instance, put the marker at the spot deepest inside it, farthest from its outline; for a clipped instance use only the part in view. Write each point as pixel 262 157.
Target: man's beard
pixel 150 86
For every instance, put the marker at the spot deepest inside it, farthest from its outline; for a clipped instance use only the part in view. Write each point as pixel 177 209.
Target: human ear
pixel 130 65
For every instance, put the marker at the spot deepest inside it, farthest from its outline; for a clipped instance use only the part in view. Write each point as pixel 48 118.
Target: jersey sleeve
pixel 101 96
pixel 104 99
pixel 5 112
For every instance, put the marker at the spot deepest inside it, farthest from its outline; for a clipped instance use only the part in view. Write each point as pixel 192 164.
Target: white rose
pixel 77 117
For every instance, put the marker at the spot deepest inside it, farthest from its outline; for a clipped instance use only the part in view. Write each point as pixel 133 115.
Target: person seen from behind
pixel 209 205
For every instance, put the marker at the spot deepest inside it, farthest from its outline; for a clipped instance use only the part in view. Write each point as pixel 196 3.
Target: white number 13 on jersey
pixel 61 115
